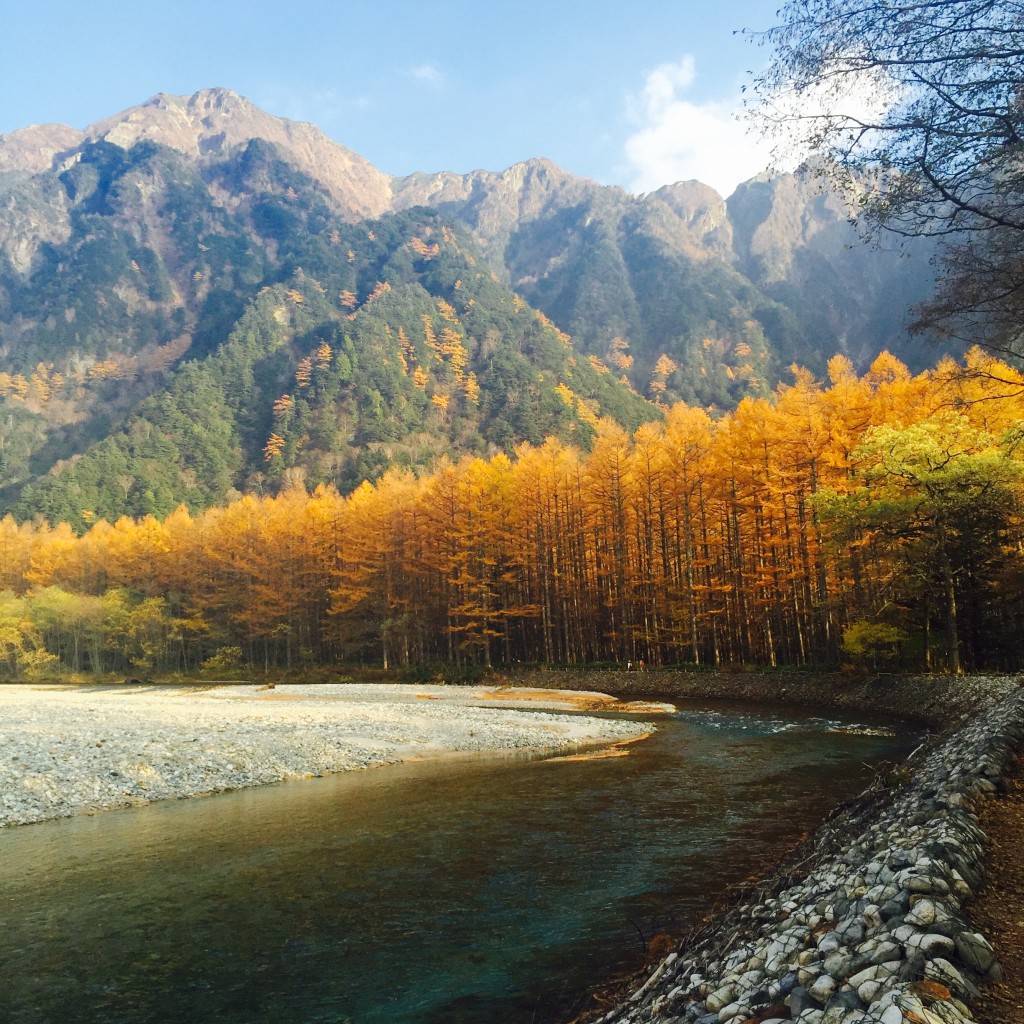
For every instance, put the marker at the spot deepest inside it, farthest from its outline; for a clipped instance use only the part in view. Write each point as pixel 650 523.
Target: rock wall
pixel 867 923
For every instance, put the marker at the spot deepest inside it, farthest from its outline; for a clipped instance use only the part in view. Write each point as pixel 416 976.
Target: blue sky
pixel 636 95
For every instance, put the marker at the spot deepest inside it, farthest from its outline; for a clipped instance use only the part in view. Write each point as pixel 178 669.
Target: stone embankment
pixel 869 923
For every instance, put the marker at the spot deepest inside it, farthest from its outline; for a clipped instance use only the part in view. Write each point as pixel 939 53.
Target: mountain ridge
pixel 134 249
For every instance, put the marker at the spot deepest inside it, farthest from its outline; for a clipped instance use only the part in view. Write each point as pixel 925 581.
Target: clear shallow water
pixel 462 893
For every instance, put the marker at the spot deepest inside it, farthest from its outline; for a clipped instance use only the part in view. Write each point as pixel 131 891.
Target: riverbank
pixel 935 700
pixel 69 750
pixel 871 920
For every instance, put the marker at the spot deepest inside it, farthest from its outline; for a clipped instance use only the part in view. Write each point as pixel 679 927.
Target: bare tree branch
pixel 938 149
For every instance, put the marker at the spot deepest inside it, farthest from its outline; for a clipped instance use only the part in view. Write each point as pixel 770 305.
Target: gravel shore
pixel 67 750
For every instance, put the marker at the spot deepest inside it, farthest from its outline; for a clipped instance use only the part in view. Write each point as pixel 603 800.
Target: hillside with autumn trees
pixel 401 349
pixel 876 518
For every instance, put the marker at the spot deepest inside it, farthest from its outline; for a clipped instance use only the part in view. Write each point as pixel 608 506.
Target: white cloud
pixel 677 139
pixel 430 74
pixel 838 110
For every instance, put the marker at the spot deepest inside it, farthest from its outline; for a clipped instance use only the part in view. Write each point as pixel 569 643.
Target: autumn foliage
pixel 760 537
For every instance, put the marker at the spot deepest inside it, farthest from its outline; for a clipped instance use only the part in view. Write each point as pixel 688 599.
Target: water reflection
pixel 462 892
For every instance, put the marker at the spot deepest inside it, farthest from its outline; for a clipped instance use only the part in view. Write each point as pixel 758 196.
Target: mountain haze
pixel 198 298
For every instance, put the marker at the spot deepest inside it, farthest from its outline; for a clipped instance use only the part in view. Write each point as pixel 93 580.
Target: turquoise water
pixel 467 892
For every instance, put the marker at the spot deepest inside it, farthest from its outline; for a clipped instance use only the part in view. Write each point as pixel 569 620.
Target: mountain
pixel 198 298
pixel 732 292
pixel 195 330
pixel 796 244
pixel 205 127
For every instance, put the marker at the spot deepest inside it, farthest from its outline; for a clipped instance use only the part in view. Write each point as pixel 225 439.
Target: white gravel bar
pixel 65 750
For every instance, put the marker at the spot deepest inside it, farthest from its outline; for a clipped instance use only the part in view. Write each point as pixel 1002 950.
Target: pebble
pixel 720 998
pixel 822 988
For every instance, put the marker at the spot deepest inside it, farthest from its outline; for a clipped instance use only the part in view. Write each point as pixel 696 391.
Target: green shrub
pixel 873 643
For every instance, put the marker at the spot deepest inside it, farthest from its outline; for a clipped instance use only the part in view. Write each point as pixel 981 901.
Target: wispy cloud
pixel 429 74
pixel 677 139
pixel 322 107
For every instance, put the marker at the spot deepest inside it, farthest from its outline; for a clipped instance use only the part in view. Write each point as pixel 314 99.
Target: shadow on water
pixel 463 892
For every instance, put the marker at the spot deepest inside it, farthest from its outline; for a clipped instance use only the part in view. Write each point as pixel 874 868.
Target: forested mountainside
pixel 354 348
pixel 198 299
pixel 875 519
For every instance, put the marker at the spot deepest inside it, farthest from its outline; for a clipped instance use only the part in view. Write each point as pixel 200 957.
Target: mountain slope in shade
pixel 632 280
pixel 796 243
pixel 193 350
pixel 682 273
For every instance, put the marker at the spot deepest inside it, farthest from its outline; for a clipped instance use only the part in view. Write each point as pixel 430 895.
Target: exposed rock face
pixel 495 204
pixel 215 120
pixel 33 150
pixel 33 212
pixel 776 217
pixel 205 126
pixel 702 217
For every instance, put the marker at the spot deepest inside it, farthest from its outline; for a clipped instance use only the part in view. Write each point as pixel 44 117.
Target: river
pixel 463 892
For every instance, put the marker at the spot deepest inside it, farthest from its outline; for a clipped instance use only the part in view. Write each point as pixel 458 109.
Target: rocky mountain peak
pixel 212 121
pixel 495 204
pixel 206 122
pixel 526 181
pixel 702 218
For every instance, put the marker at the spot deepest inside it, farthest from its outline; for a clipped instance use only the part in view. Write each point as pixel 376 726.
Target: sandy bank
pixel 66 750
